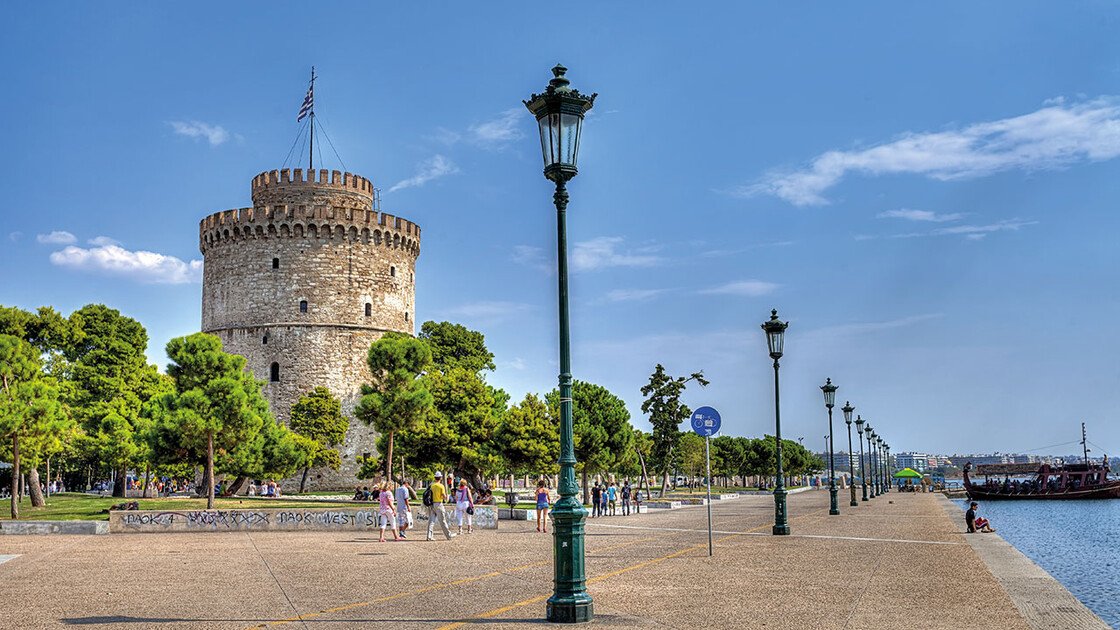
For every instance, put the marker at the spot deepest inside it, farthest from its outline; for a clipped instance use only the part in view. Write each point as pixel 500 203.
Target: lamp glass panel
pixel 569 132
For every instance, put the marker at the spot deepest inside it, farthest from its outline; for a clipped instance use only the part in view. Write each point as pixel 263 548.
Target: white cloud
pixel 433 168
pixel 58 237
pixel 1008 225
pixel 716 253
pixel 919 215
pixel 504 128
pixel 142 266
pixel 1057 135
pixel 748 288
pixel 633 295
pixel 103 240
pixel 603 252
pixel 15 236
pixel 197 129
pixel 531 256
pixel 869 327
pixel 516 364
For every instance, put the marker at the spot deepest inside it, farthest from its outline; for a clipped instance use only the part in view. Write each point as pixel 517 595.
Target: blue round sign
pixel 705 421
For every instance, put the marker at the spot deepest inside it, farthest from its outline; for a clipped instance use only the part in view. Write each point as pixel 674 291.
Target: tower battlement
pixel 295 177
pixel 284 221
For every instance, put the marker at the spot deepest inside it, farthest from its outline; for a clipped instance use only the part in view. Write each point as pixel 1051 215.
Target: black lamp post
pixel 887 471
pixel 871 463
pixel 848 409
pixel 882 468
pixel 862 464
pixel 559 111
pixel 775 339
pixel 830 401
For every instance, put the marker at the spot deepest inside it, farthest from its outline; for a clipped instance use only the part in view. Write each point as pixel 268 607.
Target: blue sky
pixel 927 193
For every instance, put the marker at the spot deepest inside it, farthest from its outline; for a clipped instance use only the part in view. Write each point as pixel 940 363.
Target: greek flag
pixel 308 103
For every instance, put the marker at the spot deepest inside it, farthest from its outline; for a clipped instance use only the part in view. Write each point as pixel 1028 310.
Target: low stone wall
pixel 662 505
pixel 81 528
pixel 485 516
pixel 269 520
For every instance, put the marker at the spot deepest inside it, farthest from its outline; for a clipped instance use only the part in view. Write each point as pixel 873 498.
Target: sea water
pixel 1077 542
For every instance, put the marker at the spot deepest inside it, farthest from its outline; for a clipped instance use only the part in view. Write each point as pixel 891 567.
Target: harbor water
pixel 1077 542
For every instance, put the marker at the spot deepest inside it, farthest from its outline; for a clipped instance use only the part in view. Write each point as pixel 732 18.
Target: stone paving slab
pixel 645 571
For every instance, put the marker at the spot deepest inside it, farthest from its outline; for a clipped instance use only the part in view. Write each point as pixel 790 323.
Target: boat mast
pixel 1084 446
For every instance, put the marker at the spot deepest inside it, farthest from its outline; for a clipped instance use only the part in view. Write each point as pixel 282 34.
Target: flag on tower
pixel 308 101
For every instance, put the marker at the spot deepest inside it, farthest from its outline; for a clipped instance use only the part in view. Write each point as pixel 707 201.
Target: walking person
pixel 626 498
pixel 542 507
pixel 387 511
pixel 464 506
pixel 433 499
pixel 596 495
pixel 612 498
pixel 404 507
pixel 603 501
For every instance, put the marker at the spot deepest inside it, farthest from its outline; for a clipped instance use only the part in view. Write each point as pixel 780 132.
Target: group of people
pixel 606 497
pixel 396 503
pixel 265 489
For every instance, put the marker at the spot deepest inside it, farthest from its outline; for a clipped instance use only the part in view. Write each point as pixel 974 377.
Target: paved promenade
pixel 881 565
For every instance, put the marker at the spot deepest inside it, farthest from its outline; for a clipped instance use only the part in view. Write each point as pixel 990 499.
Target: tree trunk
pixel 235 487
pixel 208 477
pixel 645 473
pixel 303 480
pixel 389 458
pixel 147 481
pixel 120 487
pixel 35 489
pixel 586 498
pixel 48 477
pixel 15 477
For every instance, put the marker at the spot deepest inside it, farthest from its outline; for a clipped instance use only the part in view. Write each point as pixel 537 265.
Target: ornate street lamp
pixel 879 478
pixel 862 464
pixel 871 463
pixel 830 401
pixel 848 409
pixel 775 340
pixel 887 471
pixel 559 111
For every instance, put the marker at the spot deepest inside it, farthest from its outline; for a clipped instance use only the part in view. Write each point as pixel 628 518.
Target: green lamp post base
pixel 833 507
pixel 569 611
pixel 781 517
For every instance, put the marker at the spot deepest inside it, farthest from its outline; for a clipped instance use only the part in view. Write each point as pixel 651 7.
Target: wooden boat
pixel 1041 481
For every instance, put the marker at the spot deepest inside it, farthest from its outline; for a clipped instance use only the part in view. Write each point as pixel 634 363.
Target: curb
pixel 40 528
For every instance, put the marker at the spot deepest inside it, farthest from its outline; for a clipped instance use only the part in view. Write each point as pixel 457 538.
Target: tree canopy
pixel 666 413
pixel 317 419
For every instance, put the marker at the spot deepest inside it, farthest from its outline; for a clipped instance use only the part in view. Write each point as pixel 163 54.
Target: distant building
pixel 918 461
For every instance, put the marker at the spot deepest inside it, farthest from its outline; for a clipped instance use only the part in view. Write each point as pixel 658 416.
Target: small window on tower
pixel 264 340
pixel 369 309
pixel 274 373
pixel 406 316
pixel 275 263
pixel 392 271
pixel 303 306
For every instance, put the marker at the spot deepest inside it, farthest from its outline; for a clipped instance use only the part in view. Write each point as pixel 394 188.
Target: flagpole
pixel 311 148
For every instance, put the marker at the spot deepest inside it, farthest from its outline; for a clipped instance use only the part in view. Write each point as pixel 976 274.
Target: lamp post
pixel 775 339
pixel 871 463
pixel 862 465
pixel 877 447
pixel 882 468
pixel 848 409
pixel 887 476
pixel 829 391
pixel 559 111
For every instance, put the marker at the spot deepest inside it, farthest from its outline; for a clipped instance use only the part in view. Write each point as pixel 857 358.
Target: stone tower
pixel 302 283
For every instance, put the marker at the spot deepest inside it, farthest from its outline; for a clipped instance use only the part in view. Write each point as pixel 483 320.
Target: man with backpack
pixel 433 499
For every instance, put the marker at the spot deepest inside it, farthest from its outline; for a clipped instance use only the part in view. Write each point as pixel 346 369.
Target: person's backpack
pixel 428 501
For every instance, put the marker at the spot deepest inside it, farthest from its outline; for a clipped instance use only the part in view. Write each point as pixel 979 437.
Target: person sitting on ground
pixel 976 523
pixel 358 494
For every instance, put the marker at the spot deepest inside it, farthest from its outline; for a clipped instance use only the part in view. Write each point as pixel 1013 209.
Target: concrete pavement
pixel 880 565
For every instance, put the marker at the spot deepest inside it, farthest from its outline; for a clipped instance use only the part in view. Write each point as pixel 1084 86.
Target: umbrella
pixel 908 473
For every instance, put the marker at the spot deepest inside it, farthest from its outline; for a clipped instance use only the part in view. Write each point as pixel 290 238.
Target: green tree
pixel 691 449
pixel 728 456
pixel 462 427
pixel 29 406
pixel 456 346
pixel 666 413
pixel 317 416
pixel 110 381
pixel 601 428
pixel 398 399
pixel 528 438
pixel 217 406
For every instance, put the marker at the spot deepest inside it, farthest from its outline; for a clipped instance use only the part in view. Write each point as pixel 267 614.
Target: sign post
pixel 706 423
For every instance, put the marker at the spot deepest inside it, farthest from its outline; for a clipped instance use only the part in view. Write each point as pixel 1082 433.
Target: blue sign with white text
pixel 705 421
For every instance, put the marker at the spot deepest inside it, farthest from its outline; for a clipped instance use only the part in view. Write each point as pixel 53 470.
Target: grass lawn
pixel 76 506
